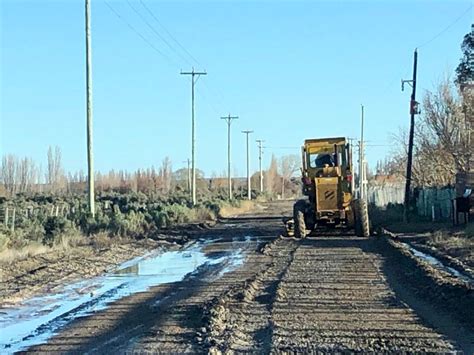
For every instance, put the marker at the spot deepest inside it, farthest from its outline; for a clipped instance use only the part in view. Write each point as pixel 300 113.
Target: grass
pixel 458 244
pixel 230 210
pixel 102 240
pixel 8 256
pixel 391 218
pixel 65 243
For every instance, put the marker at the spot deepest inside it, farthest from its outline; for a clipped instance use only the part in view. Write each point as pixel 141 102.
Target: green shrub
pixel 470 230
pixel 54 227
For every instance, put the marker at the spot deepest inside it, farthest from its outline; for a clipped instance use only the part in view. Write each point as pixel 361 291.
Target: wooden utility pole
pixel 361 158
pixel 194 78
pixel 189 174
pixel 229 119
pixel 90 153
pixel 249 187
pixel 413 111
pixel 259 141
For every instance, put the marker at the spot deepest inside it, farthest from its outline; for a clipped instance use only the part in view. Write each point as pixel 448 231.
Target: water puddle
pixel 37 319
pixel 438 264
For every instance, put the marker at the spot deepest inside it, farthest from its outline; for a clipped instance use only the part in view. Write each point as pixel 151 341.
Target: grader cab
pixel 327 177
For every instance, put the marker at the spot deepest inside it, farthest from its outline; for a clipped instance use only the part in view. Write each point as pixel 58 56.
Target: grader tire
pixel 299 210
pixel 362 223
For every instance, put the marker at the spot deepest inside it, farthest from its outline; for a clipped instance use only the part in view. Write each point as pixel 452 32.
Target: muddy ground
pixel 327 293
pixel 44 273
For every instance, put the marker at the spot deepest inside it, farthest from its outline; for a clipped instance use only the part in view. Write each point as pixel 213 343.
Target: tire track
pixel 325 294
pixel 241 318
pixel 334 297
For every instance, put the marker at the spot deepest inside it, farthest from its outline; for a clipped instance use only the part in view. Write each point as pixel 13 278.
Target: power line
pixel 448 27
pixel 140 35
pixel 271 147
pixel 169 34
pixel 213 93
pixel 157 33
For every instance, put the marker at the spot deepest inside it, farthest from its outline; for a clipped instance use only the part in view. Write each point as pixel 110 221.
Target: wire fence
pixel 12 215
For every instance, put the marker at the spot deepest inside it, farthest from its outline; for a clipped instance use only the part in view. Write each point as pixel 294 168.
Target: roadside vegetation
pixel 454 241
pixel 46 222
pixel 44 211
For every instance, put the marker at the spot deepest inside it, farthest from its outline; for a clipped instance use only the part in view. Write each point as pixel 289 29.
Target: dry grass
pixel 64 243
pixel 459 245
pixel 203 214
pixel 229 211
pixel 68 241
pixel 8 256
pixel 102 240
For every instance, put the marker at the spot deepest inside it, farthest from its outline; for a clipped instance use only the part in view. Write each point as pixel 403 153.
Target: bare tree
pixel 271 176
pixel 165 173
pixel 445 123
pixel 442 138
pixel 26 172
pixel 288 165
pixel 54 174
pixel 9 173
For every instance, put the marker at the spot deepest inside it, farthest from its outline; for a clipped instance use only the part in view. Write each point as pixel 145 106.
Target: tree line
pixel 22 175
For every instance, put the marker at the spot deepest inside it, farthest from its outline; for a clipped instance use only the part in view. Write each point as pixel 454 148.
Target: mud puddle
pixel 439 265
pixel 37 319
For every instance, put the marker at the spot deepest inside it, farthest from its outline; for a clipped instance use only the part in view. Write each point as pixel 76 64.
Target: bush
pixel 101 240
pixel 54 227
pixel 122 214
pixel 470 230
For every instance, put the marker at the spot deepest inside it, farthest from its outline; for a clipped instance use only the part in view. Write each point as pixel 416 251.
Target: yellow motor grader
pixel 327 177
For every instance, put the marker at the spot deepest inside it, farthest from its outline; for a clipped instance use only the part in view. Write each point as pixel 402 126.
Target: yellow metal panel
pixel 327 194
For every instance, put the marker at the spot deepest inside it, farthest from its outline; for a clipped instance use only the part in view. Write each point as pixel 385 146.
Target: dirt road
pixel 332 292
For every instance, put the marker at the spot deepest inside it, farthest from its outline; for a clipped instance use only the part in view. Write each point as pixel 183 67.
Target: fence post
pixel 6 216
pixel 13 219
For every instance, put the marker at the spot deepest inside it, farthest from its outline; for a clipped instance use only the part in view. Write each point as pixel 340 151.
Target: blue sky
pixel 291 70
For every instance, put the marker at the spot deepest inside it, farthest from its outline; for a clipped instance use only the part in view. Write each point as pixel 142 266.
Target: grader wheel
pixel 299 210
pixel 362 224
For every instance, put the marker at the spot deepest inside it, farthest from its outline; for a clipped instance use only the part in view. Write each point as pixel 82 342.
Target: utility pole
pixel 188 161
pixel 229 119
pixel 413 111
pixel 259 141
pixel 90 154
pixel 361 158
pixel 194 78
pixel 249 187
pixel 189 174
